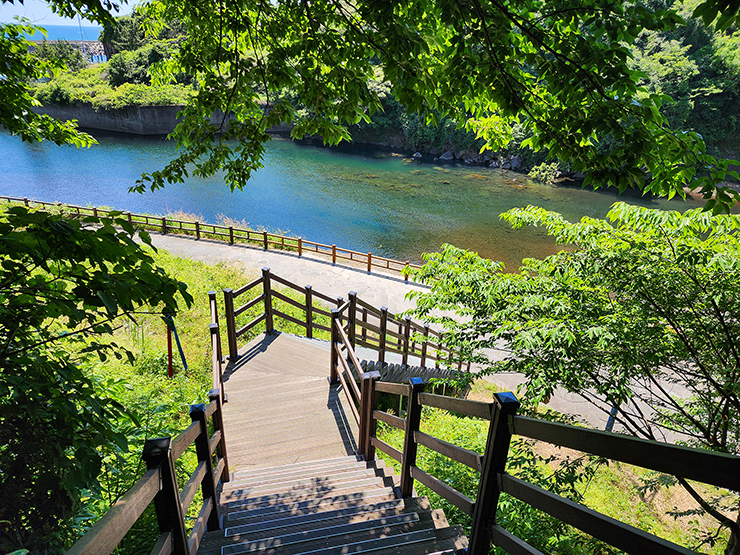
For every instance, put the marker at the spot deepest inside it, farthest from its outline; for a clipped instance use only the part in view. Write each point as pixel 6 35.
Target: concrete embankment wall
pixel 138 120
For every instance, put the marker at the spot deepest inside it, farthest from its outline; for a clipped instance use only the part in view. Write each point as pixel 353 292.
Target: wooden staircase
pixel 332 506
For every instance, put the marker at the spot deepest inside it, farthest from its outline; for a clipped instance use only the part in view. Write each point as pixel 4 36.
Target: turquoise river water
pixel 366 201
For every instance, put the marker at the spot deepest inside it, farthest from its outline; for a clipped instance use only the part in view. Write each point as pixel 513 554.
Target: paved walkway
pixel 337 280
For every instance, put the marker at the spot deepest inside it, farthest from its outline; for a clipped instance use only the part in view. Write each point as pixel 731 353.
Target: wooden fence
pixel 233 235
pixel 718 469
pixel 160 485
pixel 363 324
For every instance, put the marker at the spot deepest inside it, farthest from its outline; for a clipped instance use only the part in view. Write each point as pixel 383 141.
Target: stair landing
pixel 281 407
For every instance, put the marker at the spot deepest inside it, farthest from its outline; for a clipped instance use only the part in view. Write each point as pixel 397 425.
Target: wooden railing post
pixel 413 419
pixel 231 234
pixel 309 311
pixel 333 254
pixel 167 504
pixel 218 372
pixel 214 318
pixel 164 224
pixel 369 262
pixel 494 463
pixel 218 425
pixel 352 320
pixel 267 288
pixel 334 361
pixel 406 272
pixel 364 321
pixel 383 330
pixel 300 246
pixel 197 230
pixel 406 336
pixel 231 324
pixel 264 240
pixel 424 347
pixel 203 451
pixel 368 402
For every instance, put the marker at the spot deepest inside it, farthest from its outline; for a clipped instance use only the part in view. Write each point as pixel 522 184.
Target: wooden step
pixel 306 470
pixel 306 506
pixel 304 494
pixel 342 539
pixel 318 519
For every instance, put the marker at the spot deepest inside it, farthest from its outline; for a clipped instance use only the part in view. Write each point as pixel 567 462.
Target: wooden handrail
pixel 159 485
pixel 230 233
pixel 719 469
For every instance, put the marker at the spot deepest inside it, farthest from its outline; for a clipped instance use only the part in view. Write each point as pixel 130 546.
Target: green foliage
pixel 90 86
pixel 64 284
pixel 563 73
pixel 19 68
pixel 567 478
pixel 639 316
pixel 545 173
pixel 62 54
pixel 133 66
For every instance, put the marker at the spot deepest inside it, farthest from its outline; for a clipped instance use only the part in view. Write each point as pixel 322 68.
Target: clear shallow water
pixel 368 201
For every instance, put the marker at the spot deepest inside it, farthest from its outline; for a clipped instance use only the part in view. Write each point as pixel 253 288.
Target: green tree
pixel 63 286
pixel 62 54
pixel 561 70
pixel 640 316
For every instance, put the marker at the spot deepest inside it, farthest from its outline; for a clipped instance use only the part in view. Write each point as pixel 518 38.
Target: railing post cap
pixel 156 449
pixel 197 408
pixel 309 287
pixel 352 294
pixel 416 382
pixel 228 290
pixel 507 401
pixel 213 327
pixel 264 270
pixel 214 394
pixel 374 375
pixel 211 293
pixel 334 311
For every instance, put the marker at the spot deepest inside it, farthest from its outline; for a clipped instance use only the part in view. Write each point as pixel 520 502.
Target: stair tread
pixel 305 520
pixel 246 488
pixel 312 504
pixel 236 544
pixel 286 475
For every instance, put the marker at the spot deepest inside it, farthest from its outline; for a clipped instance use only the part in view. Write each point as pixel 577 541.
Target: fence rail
pixel 233 235
pixel 160 486
pixel 363 324
pixel 718 469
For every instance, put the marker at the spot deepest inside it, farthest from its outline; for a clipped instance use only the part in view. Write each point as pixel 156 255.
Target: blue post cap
pixel 416 381
pixel 197 408
pixel 507 398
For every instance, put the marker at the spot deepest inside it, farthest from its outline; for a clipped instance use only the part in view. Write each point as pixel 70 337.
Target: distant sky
pixel 40 13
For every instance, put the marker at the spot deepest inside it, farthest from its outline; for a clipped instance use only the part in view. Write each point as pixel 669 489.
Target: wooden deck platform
pixel 281 407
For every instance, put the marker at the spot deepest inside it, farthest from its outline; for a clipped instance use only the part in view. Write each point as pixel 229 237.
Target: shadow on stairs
pixel 333 506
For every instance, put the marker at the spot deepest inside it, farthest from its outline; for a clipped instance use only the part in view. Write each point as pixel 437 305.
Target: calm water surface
pixel 368 201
